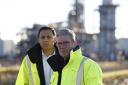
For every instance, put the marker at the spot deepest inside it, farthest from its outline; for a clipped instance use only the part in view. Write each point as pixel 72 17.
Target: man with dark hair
pixel 34 69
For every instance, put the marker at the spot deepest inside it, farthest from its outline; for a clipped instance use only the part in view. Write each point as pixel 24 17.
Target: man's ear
pixel 74 43
pixel 55 40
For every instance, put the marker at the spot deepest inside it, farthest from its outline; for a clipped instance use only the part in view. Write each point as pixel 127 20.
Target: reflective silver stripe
pixel 80 71
pixel 30 71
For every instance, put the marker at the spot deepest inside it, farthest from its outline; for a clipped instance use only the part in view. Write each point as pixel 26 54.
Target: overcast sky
pixel 17 14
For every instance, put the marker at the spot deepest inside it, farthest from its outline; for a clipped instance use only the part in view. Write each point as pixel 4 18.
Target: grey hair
pixel 68 32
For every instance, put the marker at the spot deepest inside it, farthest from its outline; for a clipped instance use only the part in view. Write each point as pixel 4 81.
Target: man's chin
pixel 63 54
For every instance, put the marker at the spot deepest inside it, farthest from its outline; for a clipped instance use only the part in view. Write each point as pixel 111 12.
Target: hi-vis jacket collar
pixel 35 53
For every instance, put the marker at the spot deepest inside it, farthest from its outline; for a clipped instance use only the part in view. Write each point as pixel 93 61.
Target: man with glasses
pixel 70 66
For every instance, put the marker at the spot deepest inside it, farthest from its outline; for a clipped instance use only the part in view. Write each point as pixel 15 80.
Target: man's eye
pixel 63 43
pixel 59 43
pixel 42 37
pixel 48 36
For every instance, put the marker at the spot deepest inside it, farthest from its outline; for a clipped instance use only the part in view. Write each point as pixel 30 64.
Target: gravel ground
pixel 119 81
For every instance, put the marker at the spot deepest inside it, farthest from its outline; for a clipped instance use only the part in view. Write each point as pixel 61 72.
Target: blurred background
pixel 100 27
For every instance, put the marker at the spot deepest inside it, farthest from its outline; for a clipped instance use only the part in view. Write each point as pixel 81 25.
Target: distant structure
pixel 7 48
pixel 76 17
pixel 99 46
pixel 107 39
pixel 28 39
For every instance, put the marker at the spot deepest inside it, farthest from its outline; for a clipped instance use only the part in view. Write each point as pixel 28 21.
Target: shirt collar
pixel 43 55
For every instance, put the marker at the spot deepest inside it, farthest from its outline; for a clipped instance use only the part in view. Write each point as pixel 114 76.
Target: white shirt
pixel 47 69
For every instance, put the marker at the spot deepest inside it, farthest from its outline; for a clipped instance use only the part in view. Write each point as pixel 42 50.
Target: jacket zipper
pixel 59 77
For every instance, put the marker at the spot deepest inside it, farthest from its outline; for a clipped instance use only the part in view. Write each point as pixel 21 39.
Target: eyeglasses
pixel 63 43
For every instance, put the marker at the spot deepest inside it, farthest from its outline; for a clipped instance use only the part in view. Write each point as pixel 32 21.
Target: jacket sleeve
pixel 92 73
pixel 23 75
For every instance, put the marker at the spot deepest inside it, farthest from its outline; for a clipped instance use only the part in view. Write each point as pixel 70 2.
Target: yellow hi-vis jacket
pixel 28 75
pixel 31 71
pixel 91 74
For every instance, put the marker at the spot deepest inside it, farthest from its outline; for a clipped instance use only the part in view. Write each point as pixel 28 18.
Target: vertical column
pixel 107 30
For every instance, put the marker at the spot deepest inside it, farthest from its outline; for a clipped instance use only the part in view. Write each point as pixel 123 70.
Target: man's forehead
pixel 46 32
pixel 66 36
pixel 63 38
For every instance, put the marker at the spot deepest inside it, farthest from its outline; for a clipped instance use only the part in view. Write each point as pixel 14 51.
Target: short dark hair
pixel 47 28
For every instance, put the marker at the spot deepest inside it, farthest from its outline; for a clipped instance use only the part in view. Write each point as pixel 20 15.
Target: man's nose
pixel 45 39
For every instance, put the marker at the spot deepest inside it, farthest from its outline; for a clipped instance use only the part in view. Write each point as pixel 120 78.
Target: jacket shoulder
pixel 92 68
